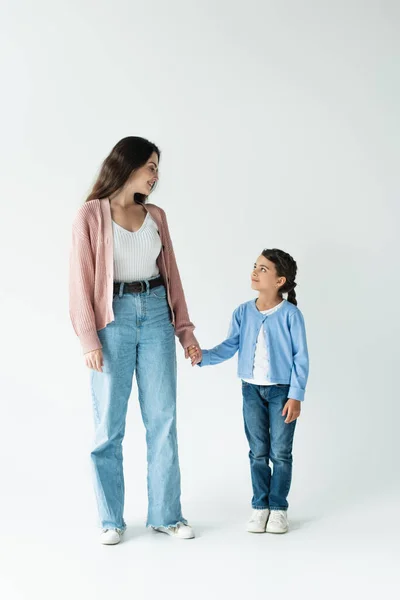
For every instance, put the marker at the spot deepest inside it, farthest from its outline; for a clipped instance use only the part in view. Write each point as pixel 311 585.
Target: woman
pixel 126 304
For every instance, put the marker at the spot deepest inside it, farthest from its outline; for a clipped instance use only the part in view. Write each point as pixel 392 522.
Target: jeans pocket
pixel 158 292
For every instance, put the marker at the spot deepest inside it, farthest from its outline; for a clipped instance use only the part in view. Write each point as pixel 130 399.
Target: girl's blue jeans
pixel 270 440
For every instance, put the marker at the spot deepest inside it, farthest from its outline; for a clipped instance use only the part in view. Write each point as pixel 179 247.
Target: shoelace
pixel 277 517
pixel 119 531
pixel 175 529
pixel 258 516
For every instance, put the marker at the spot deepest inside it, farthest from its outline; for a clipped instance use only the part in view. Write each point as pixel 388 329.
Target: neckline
pixel 269 311
pixel 128 230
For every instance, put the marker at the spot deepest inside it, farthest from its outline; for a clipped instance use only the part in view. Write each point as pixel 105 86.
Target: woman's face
pixel 264 277
pixel 142 180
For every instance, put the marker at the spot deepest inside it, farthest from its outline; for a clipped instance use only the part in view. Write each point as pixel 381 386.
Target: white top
pixel 261 359
pixel 136 252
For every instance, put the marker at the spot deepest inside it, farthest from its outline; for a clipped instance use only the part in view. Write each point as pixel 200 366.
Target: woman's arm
pixel 183 326
pixel 81 288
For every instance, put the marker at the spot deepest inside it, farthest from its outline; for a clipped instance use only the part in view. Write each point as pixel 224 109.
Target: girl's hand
pixel 94 360
pixel 195 354
pixel 292 408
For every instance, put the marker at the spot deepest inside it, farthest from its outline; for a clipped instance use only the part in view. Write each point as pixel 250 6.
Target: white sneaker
pixel 184 532
pixel 110 537
pixel 277 522
pixel 258 521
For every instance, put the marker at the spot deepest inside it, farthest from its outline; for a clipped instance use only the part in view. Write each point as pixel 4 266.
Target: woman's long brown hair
pixel 128 154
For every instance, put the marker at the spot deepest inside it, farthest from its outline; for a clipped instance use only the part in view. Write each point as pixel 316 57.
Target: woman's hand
pixel 94 360
pixel 292 408
pixel 194 353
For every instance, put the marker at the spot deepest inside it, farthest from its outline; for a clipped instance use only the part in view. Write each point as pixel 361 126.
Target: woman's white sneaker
pixel 184 532
pixel 110 537
pixel 258 521
pixel 277 522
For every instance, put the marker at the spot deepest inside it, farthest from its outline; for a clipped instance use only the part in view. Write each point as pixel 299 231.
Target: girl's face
pixel 264 277
pixel 142 180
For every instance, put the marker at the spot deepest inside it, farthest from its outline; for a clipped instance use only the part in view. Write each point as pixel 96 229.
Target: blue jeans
pixel 270 439
pixel 141 339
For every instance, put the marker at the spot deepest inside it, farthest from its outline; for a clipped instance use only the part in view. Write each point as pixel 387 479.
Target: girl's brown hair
pixel 286 267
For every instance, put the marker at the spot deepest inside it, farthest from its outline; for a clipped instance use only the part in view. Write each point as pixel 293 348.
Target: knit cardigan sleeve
pixel 81 286
pixel 183 326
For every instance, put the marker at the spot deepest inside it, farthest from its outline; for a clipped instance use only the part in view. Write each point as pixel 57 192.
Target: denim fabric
pixel 270 439
pixel 140 340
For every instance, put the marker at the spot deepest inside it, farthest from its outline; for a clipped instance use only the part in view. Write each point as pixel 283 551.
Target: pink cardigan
pixel 91 274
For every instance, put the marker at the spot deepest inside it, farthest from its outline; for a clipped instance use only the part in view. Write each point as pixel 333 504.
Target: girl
pixel 126 304
pixel 273 365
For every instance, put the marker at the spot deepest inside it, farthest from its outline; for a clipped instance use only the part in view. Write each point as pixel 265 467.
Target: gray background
pixel 279 126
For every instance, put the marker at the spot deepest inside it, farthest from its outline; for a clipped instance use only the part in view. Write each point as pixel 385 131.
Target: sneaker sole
pixel 277 532
pixel 179 537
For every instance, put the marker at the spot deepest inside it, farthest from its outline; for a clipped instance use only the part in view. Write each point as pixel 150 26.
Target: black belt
pixel 137 287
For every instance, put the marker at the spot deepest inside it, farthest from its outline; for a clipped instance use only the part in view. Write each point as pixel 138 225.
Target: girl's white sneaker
pixel 258 521
pixel 110 537
pixel 277 522
pixel 184 532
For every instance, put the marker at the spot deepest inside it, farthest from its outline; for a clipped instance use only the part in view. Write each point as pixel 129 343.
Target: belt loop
pixel 121 289
pixel 147 287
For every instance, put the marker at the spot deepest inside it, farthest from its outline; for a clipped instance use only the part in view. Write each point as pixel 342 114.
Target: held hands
pixel 292 408
pixel 94 360
pixel 194 353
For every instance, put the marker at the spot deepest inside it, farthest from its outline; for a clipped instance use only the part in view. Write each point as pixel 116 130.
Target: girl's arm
pixel 226 349
pixel 299 375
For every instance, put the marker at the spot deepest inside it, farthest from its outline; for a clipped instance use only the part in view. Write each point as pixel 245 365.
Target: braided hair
pixel 286 267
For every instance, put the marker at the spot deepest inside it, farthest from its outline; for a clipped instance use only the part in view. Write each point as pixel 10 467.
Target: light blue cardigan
pixel 286 341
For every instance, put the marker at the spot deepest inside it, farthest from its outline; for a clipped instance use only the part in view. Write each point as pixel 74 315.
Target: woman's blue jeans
pixel 140 340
